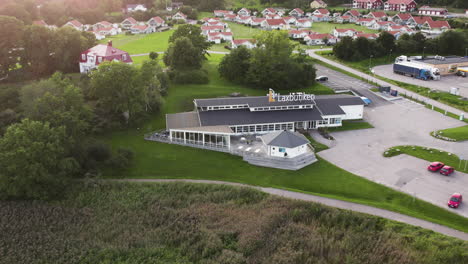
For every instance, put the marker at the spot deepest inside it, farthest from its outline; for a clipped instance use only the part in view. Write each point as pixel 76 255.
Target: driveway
pixel 401 123
pixel 446 82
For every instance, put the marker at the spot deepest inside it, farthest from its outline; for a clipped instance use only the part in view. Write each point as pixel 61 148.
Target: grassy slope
pixel 351 125
pixel 428 154
pixel 325 27
pixel 159 160
pixel 179 223
pixel 457 133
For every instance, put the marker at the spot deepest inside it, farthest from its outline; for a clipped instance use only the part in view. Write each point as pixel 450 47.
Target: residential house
pixel 344 32
pixel 179 16
pixel 109 31
pixel 321 11
pixel 102 24
pixel 243 20
pixel 222 13
pixel 345 19
pixel 91 58
pixel 243 12
pixel 352 13
pixel 396 34
pixel 303 23
pixel 418 21
pixel 290 20
pixel 400 5
pixel 381 25
pixel 273 16
pixel 435 27
pixel 256 21
pixel 156 22
pixel 248 43
pixel 218 37
pixel 366 35
pixel 230 17
pixel 216 23
pixel 401 18
pixel 365 22
pixel 296 12
pixel 135 7
pixel 432 11
pixel 320 39
pixel 211 29
pixel 320 18
pixel 142 29
pixel 210 19
pixel 299 34
pixel 270 24
pixel 44 24
pixel 404 29
pixel 378 16
pixel 75 24
pixel 128 23
pixel 318 4
pixel 368 4
pixel 268 11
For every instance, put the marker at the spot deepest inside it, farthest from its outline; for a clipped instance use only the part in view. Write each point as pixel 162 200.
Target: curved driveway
pixel 333 203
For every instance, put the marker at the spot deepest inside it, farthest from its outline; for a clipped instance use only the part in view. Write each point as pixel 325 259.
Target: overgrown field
pixel 138 223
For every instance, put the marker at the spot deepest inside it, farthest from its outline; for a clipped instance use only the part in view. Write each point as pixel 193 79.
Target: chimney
pixel 109 43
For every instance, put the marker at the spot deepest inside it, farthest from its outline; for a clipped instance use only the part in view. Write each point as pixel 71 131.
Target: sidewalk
pixel 384 83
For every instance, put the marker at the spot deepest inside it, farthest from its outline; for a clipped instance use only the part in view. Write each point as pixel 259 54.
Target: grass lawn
pixel 141 43
pixel 325 27
pixel 351 125
pixel 240 31
pixel 456 133
pixel 428 154
pixel 159 160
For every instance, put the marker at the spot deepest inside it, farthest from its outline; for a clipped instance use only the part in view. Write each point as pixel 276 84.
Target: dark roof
pixel 252 101
pixel 446 60
pixel 285 139
pixel 330 104
pixel 246 117
pixel 182 120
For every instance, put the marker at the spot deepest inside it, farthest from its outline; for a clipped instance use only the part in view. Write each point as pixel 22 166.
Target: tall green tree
pixel 11 30
pixel 182 55
pixel 235 65
pixel 33 164
pixel 67 45
pixel 37 50
pixel 18 11
pixel 387 42
pixel 193 33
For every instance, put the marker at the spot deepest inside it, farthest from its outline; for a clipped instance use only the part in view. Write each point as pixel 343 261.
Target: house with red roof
pixel 296 12
pixel 248 43
pixel 368 4
pixel 320 18
pixel 156 22
pixel 381 25
pixel 321 11
pixel 40 23
pixel 400 5
pixel 378 16
pixel 91 58
pixel 269 24
pixel 365 22
pixel 366 35
pixel 345 19
pixel 215 23
pixel 230 17
pixel 269 11
pixel 303 23
pixel 243 12
pixel 401 18
pixel 256 21
pixel 320 39
pixel 290 20
pixel 218 37
pixel 179 16
pixel 243 19
pixel 432 11
pixel 344 32
pixel 102 24
pixel 299 33
pixel 128 23
pixel 222 13
pixel 352 13
pixel 142 29
pixel 273 16
pixel 211 29
pixel 74 24
pixel 435 27
pixel 101 33
pixel 404 29
pixel 418 21
pixel 396 34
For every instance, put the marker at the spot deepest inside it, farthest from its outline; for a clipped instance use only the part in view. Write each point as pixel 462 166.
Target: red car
pixel 446 170
pixel 435 166
pixel 455 200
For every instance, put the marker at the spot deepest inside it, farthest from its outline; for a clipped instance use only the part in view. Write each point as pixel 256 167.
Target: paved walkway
pixel 383 83
pixel 333 203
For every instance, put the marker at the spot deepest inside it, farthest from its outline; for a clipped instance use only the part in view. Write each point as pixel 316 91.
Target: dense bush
pixel 190 77
pixel 188 223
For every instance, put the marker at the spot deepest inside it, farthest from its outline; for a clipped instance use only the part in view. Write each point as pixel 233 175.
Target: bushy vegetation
pixel 272 64
pixel 195 223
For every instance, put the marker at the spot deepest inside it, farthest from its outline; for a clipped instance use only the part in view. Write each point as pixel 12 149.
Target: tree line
pixel 448 43
pixel 272 64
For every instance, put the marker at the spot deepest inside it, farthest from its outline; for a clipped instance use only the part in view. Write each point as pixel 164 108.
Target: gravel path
pixel 333 203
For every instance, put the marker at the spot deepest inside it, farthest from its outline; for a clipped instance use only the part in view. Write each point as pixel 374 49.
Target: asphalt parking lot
pixel 444 84
pixel 340 81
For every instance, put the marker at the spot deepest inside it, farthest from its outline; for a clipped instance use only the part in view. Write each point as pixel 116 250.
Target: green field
pixel 325 27
pixel 428 154
pixel 456 133
pixel 159 160
pixel 141 43
pixel 240 31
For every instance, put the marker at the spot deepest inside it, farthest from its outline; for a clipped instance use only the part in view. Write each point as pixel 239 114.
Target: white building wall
pixel 353 112
pixel 292 152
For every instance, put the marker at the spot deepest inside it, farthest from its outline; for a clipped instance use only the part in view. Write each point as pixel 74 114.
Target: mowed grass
pixel 159 160
pixel 351 125
pixel 457 133
pixel 325 27
pixel 141 43
pixel 429 154
pixel 240 31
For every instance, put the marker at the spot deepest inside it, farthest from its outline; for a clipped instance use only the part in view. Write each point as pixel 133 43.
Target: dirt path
pixel 333 203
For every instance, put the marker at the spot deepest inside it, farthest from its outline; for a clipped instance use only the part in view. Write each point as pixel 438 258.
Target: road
pixel 332 203
pixel 446 82
pixel 383 83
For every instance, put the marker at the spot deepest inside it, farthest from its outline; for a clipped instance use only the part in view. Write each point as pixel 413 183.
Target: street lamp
pixel 424 48
pixel 370 60
pixel 390 54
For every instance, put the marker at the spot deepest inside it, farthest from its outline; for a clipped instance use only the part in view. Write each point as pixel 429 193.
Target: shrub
pixel 190 77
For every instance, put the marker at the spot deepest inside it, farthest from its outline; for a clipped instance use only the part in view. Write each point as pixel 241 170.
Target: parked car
pixel 455 200
pixel 321 79
pixel 366 100
pixel 446 170
pixel 435 166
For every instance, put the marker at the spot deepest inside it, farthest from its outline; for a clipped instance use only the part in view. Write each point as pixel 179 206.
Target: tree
pixel 18 11
pixel 62 105
pixel 150 73
pixel 193 33
pixel 153 55
pixel 344 48
pixel 11 30
pixel 33 164
pixel 234 66
pixel 386 41
pixel 182 55
pixel 54 12
pixel 37 48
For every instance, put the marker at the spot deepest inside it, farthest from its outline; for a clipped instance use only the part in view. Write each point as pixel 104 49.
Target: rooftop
pixel 286 139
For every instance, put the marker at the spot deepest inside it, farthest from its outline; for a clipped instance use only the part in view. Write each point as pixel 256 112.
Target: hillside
pixel 196 223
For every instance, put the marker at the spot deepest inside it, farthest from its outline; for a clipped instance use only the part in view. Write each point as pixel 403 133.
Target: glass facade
pixel 262 128
pixel 198 138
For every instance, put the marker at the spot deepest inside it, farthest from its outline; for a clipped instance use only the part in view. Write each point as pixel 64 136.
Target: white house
pixel 366 22
pixel 156 22
pixel 136 7
pixel 366 35
pixel 179 16
pixel 352 13
pixel 320 18
pixel 142 29
pixel 290 20
pixel 270 24
pixel 222 13
pixel 211 29
pixel 304 23
pixel 296 12
pixel 248 43
pixel 128 23
pixel 256 21
pixel 91 58
pixel 273 16
pixel 102 24
pixel 381 25
pixel 320 39
pixel 269 11
pixel 217 37
pixel 344 32
pixel 321 11
pixel 435 27
pixel 299 34
pixel 243 19
pixel 285 144
pixel 432 11
pixel 243 12
pixel 378 15
pixel 109 31
pixel 74 24
pixel 401 18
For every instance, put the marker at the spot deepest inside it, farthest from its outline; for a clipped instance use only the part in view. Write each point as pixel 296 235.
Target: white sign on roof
pixel 292 97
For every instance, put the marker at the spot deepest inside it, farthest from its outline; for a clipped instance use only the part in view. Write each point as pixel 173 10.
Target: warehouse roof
pixel 251 101
pixel 182 120
pixel 330 104
pixel 285 139
pixel 443 60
